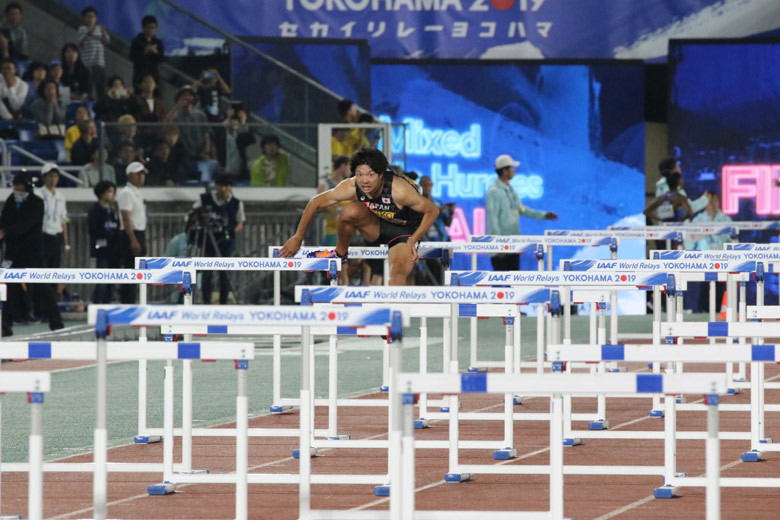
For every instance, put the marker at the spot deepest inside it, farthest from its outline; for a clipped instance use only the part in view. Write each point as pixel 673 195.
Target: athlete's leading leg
pixel 401 263
pixel 354 217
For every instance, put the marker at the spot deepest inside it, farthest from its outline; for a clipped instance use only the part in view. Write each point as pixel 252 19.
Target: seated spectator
pixel 34 75
pixel 127 131
pixel 232 142
pixel 172 136
pixel 103 226
pixel 163 169
pixel 124 154
pixel 54 73
pixel 209 88
pixel 92 173
pixel 6 46
pixel 75 75
pixel 148 109
pixel 146 51
pixel 12 26
pixel 271 168
pixel 13 92
pixel 73 133
pixel 195 139
pixel 116 102
pixel 81 153
pixel 49 111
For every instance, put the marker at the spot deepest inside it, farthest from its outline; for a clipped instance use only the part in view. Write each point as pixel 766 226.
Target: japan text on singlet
pixel 385 207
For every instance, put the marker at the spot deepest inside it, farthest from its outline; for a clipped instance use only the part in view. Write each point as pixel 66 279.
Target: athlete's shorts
pixel 392 234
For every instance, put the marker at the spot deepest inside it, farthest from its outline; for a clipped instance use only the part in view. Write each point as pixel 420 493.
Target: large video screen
pixel 724 124
pixel 576 128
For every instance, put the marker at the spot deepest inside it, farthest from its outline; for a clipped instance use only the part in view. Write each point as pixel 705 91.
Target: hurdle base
pixel 768 440
pixel 197 471
pixel 668 491
pixel 420 424
pixel 474 370
pixel 518 399
pixel 10 517
pixel 340 437
pixel 147 439
pixel 753 456
pixel 601 424
pixel 615 370
pixel 446 409
pixel 457 477
pixel 656 413
pixel 680 399
pixel 384 389
pixel 732 391
pixel 505 454
pixel 166 488
pixel 739 380
pixel 278 408
pixel 297 453
pixel 569 441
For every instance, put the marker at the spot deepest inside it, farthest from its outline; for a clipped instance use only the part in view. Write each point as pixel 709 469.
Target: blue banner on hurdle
pixel 613 352
pixel 473 382
pixel 467 309
pixel 189 351
pixel 763 353
pixel 40 350
pixel 717 329
pixel 216 329
pixel 649 383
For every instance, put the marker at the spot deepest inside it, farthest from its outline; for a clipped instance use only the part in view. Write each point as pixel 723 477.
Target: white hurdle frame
pixel 35 384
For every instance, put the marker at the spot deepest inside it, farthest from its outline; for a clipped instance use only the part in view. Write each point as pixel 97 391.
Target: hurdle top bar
pixel 687 227
pixel 711 329
pixel 444 294
pixel 576 384
pixel 126 350
pixel 266 315
pixel 362 252
pixel 93 276
pixel 546 240
pixel 239 264
pixel 737 246
pixel 718 353
pixel 481 247
pixel 634 234
pixel 742 225
pixel 557 278
pixel 671 266
pixel 25 382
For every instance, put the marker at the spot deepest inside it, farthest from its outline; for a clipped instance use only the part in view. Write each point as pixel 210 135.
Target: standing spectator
pixel 672 206
pixel 209 88
pixel 340 173
pixel 232 142
pixel 103 225
pixel 133 223
pixel 55 219
pixel 12 25
pixel 146 51
pixel 21 229
pixel 92 173
pixel 75 75
pixel 163 170
pixel 148 109
pixel 669 166
pixel 72 134
pixel 503 207
pixel 125 154
pixel 92 38
pixel 195 139
pixel 49 111
pixel 116 102
pixel 231 218
pixel 81 153
pixel 13 92
pixel 271 168
pixel 34 75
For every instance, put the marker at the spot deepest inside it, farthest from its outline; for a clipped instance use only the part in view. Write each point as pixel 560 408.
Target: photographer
pixel 220 217
pixel 232 141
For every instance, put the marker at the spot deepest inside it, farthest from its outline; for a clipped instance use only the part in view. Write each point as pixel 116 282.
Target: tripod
pixel 203 243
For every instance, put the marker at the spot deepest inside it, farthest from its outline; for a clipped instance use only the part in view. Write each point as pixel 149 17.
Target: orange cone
pixel 723 306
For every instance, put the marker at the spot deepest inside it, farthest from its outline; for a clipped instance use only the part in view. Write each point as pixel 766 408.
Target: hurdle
pixel 35 384
pixel 504 299
pixel 268 316
pixel 684 228
pixel 555 386
pixel 550 242
pixel 756 354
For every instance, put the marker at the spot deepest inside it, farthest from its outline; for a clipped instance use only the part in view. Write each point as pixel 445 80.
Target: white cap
pixel 502 161
pixel 135 167
pixel 48 167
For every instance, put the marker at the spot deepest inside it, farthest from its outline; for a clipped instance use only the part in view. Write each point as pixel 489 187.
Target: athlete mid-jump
pixel 387 209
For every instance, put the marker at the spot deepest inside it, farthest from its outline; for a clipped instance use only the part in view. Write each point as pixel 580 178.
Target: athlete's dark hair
pixel 674 181
pixel 666 165
pixel 370 156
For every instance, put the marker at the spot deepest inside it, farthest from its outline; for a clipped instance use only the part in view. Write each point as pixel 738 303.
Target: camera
pixel 209 75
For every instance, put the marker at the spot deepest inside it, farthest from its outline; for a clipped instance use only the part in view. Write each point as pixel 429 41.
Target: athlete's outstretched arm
pixel 407 196
pixel 344 191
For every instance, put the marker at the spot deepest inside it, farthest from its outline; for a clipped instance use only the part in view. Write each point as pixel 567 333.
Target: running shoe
pixel 328 253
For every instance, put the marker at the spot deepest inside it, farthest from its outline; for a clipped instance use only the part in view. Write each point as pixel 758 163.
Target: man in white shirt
pixel 133 223
pixel 13 91
pixel 55 218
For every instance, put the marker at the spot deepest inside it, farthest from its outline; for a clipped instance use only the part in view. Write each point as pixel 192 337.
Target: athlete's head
pixel 675 181
pixel 368 165
pixel 669 165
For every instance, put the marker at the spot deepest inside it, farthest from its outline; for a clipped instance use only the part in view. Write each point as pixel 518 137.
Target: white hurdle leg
pixel 713 303
pixel 742 371
pixel 186 404
pixel 731 311
pixel 423 401
pixel 100 475
pixel 395 432
pixel 277 352
pixel 540 344
pixel 473 356
pixel 35 475
pixel 508 452
pixel 556 457
pixel 242 441
pixel 168 439
pixel 566 302
pixel 713 459
pixel 385 367
pixel 143 367
pixel 407 459
pixel 655 409
pixel 306 431
pixel 333 388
